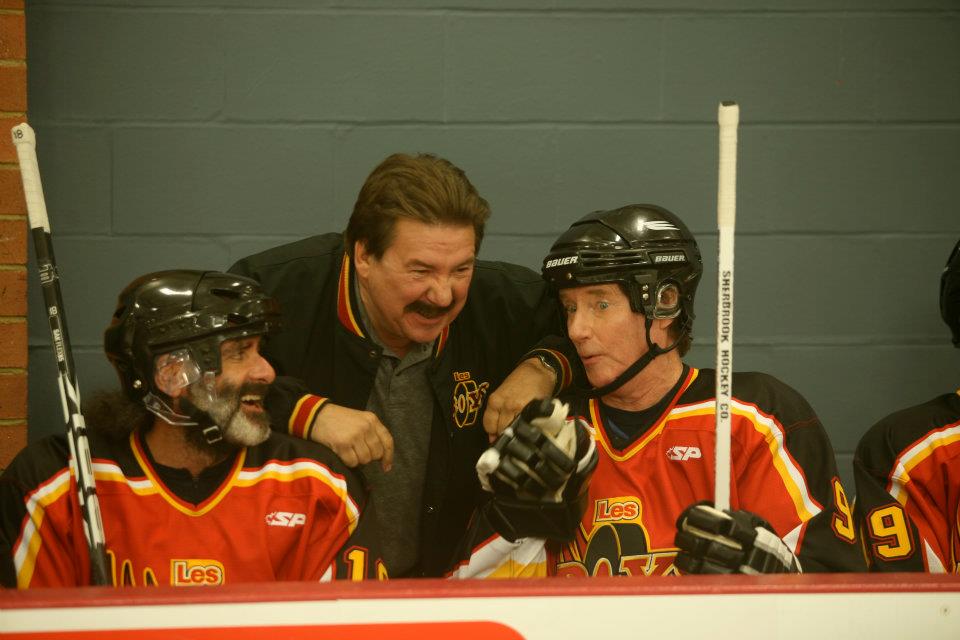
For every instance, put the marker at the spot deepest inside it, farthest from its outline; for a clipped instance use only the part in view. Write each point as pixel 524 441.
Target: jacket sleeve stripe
pixel 301 419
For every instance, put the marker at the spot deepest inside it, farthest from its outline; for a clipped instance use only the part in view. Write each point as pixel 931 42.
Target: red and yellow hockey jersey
pixel 284 512
pixel 782 469
pixel 907 470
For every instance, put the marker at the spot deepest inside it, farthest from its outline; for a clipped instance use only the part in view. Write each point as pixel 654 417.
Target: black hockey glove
pixel 537 471
pixel 714 541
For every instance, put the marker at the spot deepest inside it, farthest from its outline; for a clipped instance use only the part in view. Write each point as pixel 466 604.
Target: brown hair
pixel 684 345
pixel 424 188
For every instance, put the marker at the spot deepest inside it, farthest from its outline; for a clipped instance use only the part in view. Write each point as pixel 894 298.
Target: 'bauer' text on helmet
pixel 643 247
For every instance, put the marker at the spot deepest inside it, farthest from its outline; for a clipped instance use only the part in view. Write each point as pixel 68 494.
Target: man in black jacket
pixel 400 337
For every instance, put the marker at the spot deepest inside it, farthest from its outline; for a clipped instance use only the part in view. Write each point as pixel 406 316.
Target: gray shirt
pixel 401 397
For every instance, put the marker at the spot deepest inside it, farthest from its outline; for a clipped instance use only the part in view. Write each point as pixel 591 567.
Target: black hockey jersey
pixel 907 470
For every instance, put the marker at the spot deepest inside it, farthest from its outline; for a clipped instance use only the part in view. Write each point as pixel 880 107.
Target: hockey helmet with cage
pixel 950 294
pixel 194 311
pixel 642 247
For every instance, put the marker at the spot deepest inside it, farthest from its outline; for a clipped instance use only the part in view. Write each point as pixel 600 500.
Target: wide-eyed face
pixel 420 283
pixel 608 335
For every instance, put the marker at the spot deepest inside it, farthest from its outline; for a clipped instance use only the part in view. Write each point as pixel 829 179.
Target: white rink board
pixel 784 616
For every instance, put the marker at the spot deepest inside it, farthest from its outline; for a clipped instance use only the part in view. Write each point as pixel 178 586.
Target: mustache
pixel 247 388
pixel 428 310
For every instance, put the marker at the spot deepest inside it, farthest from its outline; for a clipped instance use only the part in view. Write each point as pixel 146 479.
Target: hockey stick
pixel 80 463
pixel 728 117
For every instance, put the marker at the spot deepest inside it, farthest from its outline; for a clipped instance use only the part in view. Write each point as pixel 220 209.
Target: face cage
pixel 200 357
pixel 189 373
pixel 189 369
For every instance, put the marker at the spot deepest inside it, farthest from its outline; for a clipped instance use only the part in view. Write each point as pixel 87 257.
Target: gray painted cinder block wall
pixel 189 133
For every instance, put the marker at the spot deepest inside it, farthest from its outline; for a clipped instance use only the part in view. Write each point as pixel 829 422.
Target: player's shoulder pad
pixel 38 462
pixel 759 383
pixel 282 448
pixel 771 395
pixel 904 427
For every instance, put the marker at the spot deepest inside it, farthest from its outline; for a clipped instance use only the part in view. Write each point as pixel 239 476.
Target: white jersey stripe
pixel 35 504
pixel 900 476
pixel 112 473
pixel 792 539
pixel 775 430
pixel 339 484
pixel 932 560
pixel 769 428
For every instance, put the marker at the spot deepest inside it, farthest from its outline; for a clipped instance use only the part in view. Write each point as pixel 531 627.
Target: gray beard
pixel 224 409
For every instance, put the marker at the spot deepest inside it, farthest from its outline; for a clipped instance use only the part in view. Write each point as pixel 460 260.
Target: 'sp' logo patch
pixel 468 397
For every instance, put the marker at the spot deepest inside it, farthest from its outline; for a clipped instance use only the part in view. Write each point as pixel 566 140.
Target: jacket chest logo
pixel 468 398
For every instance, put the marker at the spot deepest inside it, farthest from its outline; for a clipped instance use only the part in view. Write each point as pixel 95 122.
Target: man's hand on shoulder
pixel 357 437
pixel 531 379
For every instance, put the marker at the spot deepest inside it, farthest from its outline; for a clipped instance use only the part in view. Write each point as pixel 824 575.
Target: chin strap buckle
pixel 212 434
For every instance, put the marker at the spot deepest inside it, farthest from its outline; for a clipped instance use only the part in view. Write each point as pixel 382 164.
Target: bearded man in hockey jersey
pixel 626 280
pixel 193 486
pixel 907 470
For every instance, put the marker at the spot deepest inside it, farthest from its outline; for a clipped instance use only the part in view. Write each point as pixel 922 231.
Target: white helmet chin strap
pixel 159 407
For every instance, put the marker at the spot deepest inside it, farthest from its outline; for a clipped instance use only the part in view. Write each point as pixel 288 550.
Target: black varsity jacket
pixel 324 344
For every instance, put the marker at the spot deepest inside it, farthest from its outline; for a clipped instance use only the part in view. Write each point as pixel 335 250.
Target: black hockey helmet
pixel 643 247
pixel 193 310
pixel 950 294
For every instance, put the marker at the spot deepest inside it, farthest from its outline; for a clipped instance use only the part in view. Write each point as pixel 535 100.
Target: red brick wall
pixel 13 236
